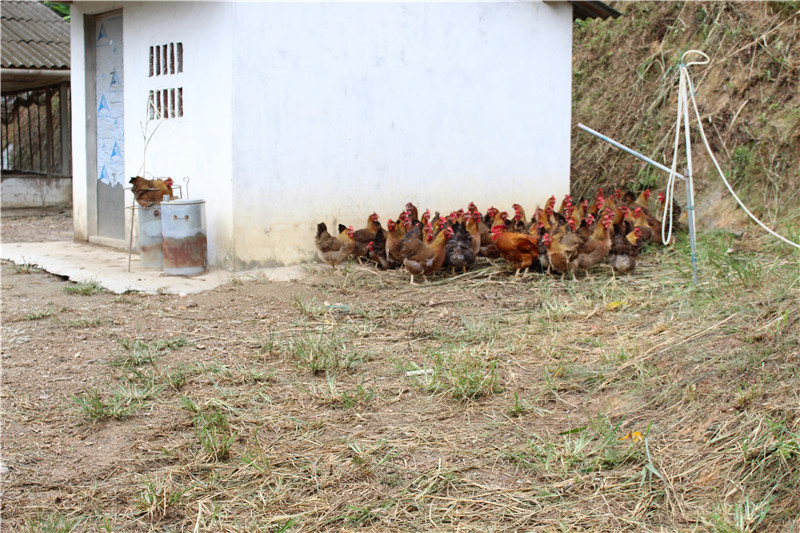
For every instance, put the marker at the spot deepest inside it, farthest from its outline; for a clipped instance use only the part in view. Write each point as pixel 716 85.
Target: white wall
pixel 35 191
pixel 80 213
pixel 344 109
pixel 296 113
pixel 197 145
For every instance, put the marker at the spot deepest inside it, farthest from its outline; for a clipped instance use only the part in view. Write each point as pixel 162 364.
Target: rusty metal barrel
pixel 183 233
pixel 150 253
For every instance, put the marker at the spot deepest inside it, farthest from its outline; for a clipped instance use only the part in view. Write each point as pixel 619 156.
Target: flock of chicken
pixel 573 238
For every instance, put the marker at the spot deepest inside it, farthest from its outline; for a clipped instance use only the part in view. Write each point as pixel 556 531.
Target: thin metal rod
pixel 64 121
pixel 689 181
pixel 18 107
pixel 629 150
pixel 39 131
pixel 7 140
pixel 30 128
pixel 690 220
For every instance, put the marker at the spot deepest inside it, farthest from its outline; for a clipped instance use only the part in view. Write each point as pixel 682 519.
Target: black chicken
pixel 458 249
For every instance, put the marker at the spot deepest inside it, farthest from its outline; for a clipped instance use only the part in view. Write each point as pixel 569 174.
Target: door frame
pixel 90 73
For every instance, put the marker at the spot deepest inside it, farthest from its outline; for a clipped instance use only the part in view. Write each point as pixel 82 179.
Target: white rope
pixel 687 87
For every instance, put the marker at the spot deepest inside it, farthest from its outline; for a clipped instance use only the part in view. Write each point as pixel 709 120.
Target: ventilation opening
pixel 165 104
pixel 166 59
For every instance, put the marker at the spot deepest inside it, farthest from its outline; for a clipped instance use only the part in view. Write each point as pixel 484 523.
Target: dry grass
pixel 476 403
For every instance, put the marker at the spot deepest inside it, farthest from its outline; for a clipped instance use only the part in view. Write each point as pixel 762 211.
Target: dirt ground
pixel 352 401
pixel 35 226
pixel 57 345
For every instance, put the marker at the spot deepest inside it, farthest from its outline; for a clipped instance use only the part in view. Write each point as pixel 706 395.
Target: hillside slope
pixel 625 85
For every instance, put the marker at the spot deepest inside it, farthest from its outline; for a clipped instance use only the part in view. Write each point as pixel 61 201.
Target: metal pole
pixel 49 135
pixel 64 129
pixel 39 130
pixel 629 150
pixel 689 182
pixel 30 128
pixel 5 141
pixel 18 108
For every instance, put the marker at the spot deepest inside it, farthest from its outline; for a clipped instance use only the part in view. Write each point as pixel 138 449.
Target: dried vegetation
pixel 625 86
pixel 353 401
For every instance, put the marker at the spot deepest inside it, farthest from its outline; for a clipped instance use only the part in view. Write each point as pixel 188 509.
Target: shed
pixel 36 147
pixel 285 114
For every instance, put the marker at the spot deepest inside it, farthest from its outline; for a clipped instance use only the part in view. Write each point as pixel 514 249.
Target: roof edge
pixel 591 9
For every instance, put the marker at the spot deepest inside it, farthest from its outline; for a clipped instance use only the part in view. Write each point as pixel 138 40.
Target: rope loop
pixel 686 93
pixel 705 61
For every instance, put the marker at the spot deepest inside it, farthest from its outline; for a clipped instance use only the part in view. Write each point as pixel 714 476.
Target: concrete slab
pixel 108 267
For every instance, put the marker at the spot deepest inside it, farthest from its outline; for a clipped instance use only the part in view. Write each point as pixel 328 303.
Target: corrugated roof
pixel 33 36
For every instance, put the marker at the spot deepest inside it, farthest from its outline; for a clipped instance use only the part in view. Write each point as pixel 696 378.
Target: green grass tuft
pixel 26 268
pixel 85 288
pixel 214 432
pixel 51 522
pixel 96 408
pixel 39 314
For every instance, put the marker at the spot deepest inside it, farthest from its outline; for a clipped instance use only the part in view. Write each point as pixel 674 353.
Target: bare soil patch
pixel 26 225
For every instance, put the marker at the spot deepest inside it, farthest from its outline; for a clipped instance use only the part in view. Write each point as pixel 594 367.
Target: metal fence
pixel 36 131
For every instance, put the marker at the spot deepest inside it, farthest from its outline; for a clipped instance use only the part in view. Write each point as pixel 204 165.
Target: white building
pixel 287 114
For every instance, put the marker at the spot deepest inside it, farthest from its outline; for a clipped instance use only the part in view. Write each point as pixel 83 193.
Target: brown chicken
pixel 648 231
pixel 597 205
pixel 334 250
pixel 426 218
pixel 520 222
pixel 487 249
pixel 676 209
pixel 643 200
pixel 519 249
pixel 622 212
pixel 423 258
pixel 151 192
pixel 366 235
pixel 500 219
pixel 374 224
pixel 595 249
pixel 583 208
pixel 394 240
pixel 472 209
pixel 561 250
pixel 633 201
pixel 412 213
pixel 565 203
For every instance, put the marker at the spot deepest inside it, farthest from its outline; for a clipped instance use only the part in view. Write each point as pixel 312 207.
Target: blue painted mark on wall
pixel 110 112
pixel 104 175
pixel 102 107
pixel 101 33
